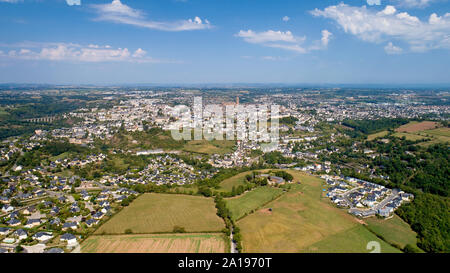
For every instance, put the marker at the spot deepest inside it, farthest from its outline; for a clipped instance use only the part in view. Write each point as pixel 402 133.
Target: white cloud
pixel 373 2
pixel 295 48
pixel 76 53
pixel 283 40
pixel 267 36
pixel 326 35
pixel 372 26
pixel 413 3
pixel 286 18
pixel 392 49
pixel 117 12
pixel 73 2
pixel 10 1
pixel 389 10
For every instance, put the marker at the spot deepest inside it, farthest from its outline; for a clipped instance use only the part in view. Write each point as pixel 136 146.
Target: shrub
pixel 128 231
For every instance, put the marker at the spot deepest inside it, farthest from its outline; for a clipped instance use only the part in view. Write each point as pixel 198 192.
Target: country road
pixel 233 244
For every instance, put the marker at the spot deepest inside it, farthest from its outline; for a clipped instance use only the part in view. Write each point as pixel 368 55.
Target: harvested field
pixel 417 126
pixel 162 243
pixel 159 213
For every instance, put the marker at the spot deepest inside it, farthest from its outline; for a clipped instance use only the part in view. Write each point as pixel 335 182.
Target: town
pixel 53 197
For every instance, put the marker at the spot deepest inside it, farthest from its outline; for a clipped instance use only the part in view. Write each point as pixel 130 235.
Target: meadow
pixel 302 220
pixel 209 147
pixel 246 203
pixel 414 131
pixel 156 243
pixel 235 181
pixel 354 240
pixel 376 135
pixel 393 230
pixel 160 213
pixel 415 126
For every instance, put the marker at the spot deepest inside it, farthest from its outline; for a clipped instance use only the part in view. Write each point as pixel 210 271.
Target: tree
pixel 178 229
pixel 15 203
pixel 128 231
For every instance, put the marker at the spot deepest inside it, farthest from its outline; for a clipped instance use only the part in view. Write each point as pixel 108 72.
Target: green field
pixel 374 136
pixel 410 136
pixel 3 112
pixel 235 181
pixel 241 205
pixel 437 135
pixel 438 132
pixel 157 213
pixel 161 243
pixel 393 230
pixel 209 147
pixel 354 240
pixel 303 221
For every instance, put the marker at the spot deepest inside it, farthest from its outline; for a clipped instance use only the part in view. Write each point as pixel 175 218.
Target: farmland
pixel 235 181
pixel 159 213
pixel 209 147
pixel 375 135
pixel 428 131
pixel 300 221
pixel 156 243
pixel 413 127
pixel 393 230
pixel 424 130
pixel 353 240
pixel 242 205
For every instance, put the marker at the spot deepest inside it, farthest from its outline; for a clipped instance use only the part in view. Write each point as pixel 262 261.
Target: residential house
pixel 33 223
pixel 69 238
pixel 70 225
pixel 43 236
pixel 20 234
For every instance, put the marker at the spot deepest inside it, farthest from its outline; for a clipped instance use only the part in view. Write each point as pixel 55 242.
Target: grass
pixel 159 213
pixel 209 147
pixel 376 135
pixel 61 156
pixel 415 126
pixel 242 205
pixel 409 136
pixel 235 181
pixel 303 221
pixel 299 219
pixel 354 240
pixel 445 132
pixel 3 112
pixel 418 131
pixel 393 230
pixel 162 243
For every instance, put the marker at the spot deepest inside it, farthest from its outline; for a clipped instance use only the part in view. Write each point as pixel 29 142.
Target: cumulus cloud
pixel 10 1
pixel 73 2
pixel 373 2
pixel 75 53
pixel 286 18
pixel 413 3
pixel 267 36
pixel 377 27
pixel 392 49
pixel 326 35
pixel 117 12
pixel 283 40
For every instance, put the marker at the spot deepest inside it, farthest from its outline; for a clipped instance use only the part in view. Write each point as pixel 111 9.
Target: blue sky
pixel 225 41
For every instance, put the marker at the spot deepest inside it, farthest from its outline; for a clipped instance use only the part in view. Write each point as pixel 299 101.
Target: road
pixel 386 200
pixel 233 244
pixel 380 205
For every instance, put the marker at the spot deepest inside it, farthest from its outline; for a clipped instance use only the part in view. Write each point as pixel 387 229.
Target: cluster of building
pixel 57 219
pixel 165 169
pixel 363 198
